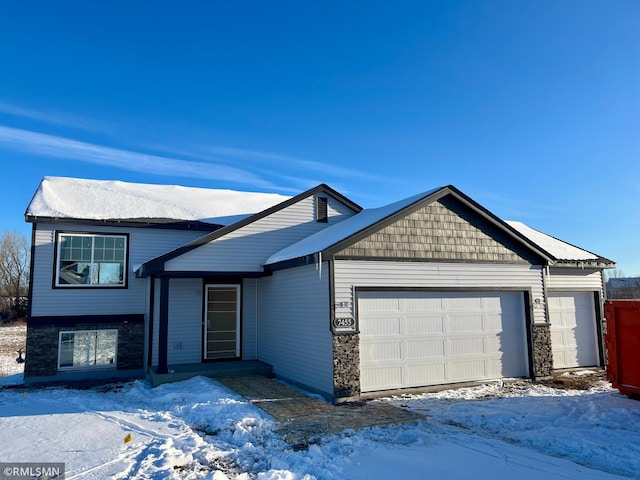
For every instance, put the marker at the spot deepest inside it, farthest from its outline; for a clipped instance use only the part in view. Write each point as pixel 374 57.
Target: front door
pixel 222 322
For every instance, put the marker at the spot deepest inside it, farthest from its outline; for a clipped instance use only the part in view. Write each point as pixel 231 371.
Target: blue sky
pixel 531 108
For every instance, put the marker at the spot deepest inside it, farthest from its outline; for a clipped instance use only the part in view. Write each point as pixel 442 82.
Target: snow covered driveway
pixel 199 429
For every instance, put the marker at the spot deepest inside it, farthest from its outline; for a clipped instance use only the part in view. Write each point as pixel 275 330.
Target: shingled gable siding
pixel 445 230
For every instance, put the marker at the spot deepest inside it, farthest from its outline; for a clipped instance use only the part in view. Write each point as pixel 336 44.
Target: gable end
pixel 445 230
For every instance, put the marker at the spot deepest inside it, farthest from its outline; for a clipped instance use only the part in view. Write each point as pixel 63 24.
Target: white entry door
pixel 573 329
pixel 222 322
pixel 413 339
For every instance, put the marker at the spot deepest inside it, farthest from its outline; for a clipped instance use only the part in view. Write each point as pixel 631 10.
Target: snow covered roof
pixel 320 241
pixel 557 248
pixel 333 234
pixel 81 199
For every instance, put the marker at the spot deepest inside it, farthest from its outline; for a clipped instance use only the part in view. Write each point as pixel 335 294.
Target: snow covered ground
pixel 199 429
pixel 12 338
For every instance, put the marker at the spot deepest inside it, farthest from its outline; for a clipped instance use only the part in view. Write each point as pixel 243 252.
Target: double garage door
pixel 412 339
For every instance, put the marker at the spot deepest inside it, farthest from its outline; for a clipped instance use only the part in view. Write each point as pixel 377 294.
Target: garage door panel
pixel 461 371
pixel 382 351
pixel 383 326
pixel 386 377
pixel 508 365
pixel 463 304
pixel 506 343
pixel 429 374
pixel 444 337
pixel 414 302
pixel 465 323
pixel 493 323
pixel 423 325
pixel 469 346
pixel 425 349
pixel 385 302
pixel 506 302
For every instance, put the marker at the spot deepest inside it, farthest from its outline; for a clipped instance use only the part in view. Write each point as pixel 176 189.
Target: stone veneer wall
pixel 346 365
pixel 42 346
pixel 542 354
pixel 41 351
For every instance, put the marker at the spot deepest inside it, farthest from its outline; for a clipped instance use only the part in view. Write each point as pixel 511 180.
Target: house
pixel 623 288
pixel 164 282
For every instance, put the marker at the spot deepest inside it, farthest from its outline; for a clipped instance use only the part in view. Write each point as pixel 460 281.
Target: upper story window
pixel 91 260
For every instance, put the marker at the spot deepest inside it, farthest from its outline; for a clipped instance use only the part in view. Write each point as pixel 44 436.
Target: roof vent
pixel 322 211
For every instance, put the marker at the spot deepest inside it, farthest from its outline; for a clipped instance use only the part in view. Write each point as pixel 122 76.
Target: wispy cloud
pixel 49 117
pixel 327 169
pixel 61 147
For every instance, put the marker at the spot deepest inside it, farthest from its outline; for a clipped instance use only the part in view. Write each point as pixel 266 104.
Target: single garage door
pixel 413 339
pixel 573 329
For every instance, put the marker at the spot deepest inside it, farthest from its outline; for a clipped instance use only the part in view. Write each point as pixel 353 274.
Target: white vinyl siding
pixel 419 338
pixel 144 244
pixel 185 321
pixel 247 248
pixel 573 329
pixel 574 279
pixel 352 273
pixel 293 326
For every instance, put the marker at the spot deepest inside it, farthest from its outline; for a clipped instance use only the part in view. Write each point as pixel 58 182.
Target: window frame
pixel 88 366
pixel 57 259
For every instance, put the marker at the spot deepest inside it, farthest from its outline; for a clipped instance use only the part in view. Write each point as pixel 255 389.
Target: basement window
pixel 322 210
pixel 87 349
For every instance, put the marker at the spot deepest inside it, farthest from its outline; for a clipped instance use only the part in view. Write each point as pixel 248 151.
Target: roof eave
pixel 599 263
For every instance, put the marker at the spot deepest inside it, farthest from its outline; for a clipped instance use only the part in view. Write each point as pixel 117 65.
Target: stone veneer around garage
pixel 346 366
pixel 542 354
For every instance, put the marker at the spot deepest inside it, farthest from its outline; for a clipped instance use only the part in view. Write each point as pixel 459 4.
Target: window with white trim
pixel 87 349
pixel 91 260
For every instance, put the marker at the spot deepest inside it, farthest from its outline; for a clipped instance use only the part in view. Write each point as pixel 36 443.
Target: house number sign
pixel 346 324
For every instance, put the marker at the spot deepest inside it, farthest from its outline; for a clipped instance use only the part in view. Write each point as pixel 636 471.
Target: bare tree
pixel 613 273
pixel 14 272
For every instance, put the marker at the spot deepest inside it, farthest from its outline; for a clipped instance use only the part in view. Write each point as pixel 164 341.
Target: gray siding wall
pixel 574 279
pixel 247 248
pixel 249 319
pixel 293 332
pixel 185 321
pixel 144 244
pixel 357 273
